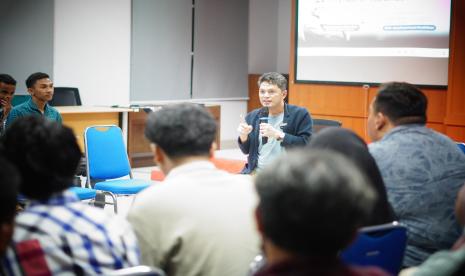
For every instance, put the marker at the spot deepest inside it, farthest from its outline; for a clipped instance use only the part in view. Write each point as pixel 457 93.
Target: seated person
pixel 56 233
pixel 268 131
pixel 446 262
pixel 350 145
pixel 7 91
pixel 40 87
pixel 200 220
pixel 421 168
pixel 9 179
pixel 311 205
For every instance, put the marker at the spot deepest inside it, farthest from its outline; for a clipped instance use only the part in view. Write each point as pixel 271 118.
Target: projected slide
pixel 373 41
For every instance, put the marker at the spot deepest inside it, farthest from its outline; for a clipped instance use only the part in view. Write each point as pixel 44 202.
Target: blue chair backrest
pixel 461 146
pixel 382 246
pixel 106 153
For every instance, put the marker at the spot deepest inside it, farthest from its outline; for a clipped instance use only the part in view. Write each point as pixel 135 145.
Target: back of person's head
pixel 352 146
pixel 312 202
pixel 7 79
pixel 45 153
pixel 402 103
pixel 9 180
pixel 33 78
pixel 182 130
pixel 273 78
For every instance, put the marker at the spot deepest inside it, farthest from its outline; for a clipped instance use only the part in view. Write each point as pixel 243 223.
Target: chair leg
pixel 115 202
pixel 100 200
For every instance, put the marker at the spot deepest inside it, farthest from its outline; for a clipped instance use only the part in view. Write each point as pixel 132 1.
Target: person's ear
pixel 6 232
pixel 158 154
pixel 30 91
pixel 380 121
pixel 284 94
pixel 258 220
pixel 213 147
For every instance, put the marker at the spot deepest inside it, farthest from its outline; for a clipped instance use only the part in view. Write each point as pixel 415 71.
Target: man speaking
pixel 266 132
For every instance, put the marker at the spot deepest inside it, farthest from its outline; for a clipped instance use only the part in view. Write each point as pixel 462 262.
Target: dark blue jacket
pixel 297 125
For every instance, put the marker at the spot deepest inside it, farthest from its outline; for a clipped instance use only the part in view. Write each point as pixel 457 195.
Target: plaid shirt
pixel 65 237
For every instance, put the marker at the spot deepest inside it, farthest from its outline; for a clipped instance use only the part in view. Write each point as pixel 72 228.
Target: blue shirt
pixel 423 171
pixel 30 108
pixel 64 236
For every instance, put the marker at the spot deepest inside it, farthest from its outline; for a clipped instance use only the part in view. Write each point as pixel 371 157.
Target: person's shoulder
pixel 18 109
pixel 53 109
pixel 296 109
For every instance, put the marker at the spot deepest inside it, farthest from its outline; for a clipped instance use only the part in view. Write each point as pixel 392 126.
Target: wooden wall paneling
pixel 331 99
pixel 456 133
pixel 254 101
pixel 455 114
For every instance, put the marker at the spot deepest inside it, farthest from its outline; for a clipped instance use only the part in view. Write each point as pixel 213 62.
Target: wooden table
pixel 80 117
pixel 140 154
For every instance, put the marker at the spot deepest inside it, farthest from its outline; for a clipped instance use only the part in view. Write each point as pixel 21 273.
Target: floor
pixel 124 202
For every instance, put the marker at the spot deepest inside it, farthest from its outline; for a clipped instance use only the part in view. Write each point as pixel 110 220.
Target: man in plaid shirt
pixel 56 234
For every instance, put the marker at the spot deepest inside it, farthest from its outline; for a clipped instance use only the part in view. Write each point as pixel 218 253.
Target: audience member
pixel 200 220
pixel 268 131
pixel 7 91
pixel 40 87
pixel 446 262
pixel 311 205
pixel 9 179
pixel 57 234
pixel 355 149
pixel 422 169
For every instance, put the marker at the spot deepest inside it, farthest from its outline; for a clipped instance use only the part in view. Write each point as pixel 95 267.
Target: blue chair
pixel 108 163
pixel 83 193
pixel 461 146
pixel 382 246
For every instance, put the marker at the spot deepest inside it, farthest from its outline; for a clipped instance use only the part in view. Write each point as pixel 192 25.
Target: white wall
pixel 92 40
pixel 263 22
pixel 284 36
pixel 269 35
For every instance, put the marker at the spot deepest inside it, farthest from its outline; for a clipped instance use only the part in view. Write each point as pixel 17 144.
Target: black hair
pixel 9 179
pixel 273 78
pixel 33 78
pixel 402 103
pixel 312 202
pixel 182 130
pixel 45 153
pixel 5 78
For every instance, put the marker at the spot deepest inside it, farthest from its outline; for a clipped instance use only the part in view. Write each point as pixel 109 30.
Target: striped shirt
pixel 63 236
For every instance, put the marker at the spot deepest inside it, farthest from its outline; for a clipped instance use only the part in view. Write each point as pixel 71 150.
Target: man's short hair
pixel 45 153
pixel 7 79
pixel 9 179
pixel 182 130
pixel 402 103
pixel 312 202
pixel 273 78
pixel 33 78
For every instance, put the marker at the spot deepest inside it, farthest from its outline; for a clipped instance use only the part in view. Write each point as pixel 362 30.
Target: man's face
pixel 270 95
pixel 6 93
pixel 42 90
pixel 372 127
